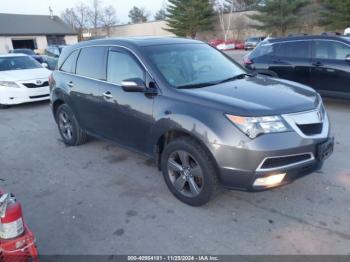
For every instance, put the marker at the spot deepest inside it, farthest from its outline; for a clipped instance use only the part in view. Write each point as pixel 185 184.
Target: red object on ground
pixel 19 244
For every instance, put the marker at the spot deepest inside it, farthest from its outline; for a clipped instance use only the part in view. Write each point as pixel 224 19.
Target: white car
pixel 22 80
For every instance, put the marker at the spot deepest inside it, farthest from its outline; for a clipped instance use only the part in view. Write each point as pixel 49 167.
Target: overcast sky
pixel 42 6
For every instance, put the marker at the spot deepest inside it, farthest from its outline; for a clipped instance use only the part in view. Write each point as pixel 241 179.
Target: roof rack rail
pixel 297 34
pixel 331 33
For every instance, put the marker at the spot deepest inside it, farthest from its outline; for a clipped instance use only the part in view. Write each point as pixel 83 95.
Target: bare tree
pixel 138 15
pixel 224 9
pixel 78 17
pixel 239 24
pixel 96 14
pixel 109 19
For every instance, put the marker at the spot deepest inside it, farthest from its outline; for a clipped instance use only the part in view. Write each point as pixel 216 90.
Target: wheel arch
pixel 172 134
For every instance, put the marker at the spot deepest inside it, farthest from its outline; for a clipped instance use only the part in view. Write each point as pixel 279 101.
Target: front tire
pixel 69 127
pixel 3 106
pixel 189 171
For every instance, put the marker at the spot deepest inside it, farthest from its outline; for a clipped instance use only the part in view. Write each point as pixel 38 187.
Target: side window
pixel 70 63
pixel 297 49
pixel 331 50
pixel 122 66
pixel 92 63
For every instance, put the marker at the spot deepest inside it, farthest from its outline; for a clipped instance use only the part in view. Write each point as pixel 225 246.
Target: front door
pixel 128 116
pixel 330 72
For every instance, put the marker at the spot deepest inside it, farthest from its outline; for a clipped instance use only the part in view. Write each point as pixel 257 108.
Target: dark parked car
pixel 252 42
pixel 202 118
pixel 52 53
pixel 322 62
pixel 29 52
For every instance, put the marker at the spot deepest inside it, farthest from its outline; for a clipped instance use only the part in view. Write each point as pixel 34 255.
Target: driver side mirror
pixel 45 65
pixel 134 85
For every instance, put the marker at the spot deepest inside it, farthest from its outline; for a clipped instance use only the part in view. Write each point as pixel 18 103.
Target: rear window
pixel 92 63
pixel 297 49
pixel 262 50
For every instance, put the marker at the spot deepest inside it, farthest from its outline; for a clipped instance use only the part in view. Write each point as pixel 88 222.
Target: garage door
pixel 23 43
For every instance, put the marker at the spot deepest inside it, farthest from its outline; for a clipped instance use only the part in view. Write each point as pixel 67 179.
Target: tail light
pixel 247 61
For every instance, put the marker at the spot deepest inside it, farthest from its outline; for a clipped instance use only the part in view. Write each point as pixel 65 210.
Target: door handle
pixel 107 95
pixel 317 64
pixel 70 84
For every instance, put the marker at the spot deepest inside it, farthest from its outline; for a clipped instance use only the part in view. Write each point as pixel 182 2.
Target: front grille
pixel 35 97
pixel 311 129
pixel 31 85
pixel 276 162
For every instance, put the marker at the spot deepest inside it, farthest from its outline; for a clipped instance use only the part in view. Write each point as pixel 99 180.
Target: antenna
pixel 51 12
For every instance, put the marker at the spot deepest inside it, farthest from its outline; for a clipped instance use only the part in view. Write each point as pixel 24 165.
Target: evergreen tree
pixel 337 14
pixel 188 17
pixel 138 15
pixel 160 15
pixel 277 16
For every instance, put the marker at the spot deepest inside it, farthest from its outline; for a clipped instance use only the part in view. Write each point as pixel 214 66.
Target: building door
pixel 24 43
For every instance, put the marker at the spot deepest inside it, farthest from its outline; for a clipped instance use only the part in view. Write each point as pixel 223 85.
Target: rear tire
pixel 69 127
pixel 189 171
pixel 3 106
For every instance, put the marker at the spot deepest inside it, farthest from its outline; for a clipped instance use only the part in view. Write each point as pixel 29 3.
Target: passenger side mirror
pixel 134 85
pixel 45 65
pixel 347 58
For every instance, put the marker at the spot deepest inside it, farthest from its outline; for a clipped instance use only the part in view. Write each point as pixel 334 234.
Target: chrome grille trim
pixel 309 117
pixel 311 159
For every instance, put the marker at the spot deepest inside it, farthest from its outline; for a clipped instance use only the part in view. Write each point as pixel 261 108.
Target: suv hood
pixel 25 74
pixel 259 96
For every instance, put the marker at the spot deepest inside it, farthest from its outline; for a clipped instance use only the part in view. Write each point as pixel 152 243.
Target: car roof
pixel 133 43
pixel 139 41
pixel 307 37
pixel 12 55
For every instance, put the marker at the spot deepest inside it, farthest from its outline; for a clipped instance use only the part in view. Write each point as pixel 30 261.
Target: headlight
pixel 255 126
pixel 9 84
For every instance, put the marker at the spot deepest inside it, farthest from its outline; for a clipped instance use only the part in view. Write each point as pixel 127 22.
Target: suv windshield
pixel 18 63
pixel 192 65
pixel 253 39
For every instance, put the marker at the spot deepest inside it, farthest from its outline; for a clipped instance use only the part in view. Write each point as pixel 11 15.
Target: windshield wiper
pixel 233 78
pixel 200 85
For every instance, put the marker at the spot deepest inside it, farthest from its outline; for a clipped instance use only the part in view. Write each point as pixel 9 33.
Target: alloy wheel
pixel 185 173
pixel 65 125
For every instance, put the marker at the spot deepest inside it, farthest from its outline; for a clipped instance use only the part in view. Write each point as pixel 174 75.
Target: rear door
pixel 87 88
pixel 330 71
pixel 291 60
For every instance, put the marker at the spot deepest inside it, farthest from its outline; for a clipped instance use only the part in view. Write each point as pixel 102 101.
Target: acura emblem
pixel 39 82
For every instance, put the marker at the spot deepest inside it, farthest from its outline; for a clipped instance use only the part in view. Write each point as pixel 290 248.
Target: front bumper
pixel 14 96
pixel 240 167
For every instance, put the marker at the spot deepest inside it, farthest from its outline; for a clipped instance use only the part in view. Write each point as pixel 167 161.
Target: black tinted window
pixel 297 49
pixel 70 63
pixel 92 63
pixel 331 50
pixel 121 67
pixel 262 50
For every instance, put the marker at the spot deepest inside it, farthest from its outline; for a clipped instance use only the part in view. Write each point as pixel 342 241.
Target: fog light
pixel 269 181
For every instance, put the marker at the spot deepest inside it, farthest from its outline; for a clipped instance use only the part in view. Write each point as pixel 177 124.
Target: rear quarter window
pixel 70 63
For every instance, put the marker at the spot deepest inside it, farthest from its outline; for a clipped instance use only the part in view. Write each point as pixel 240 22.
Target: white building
pixel 34 32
